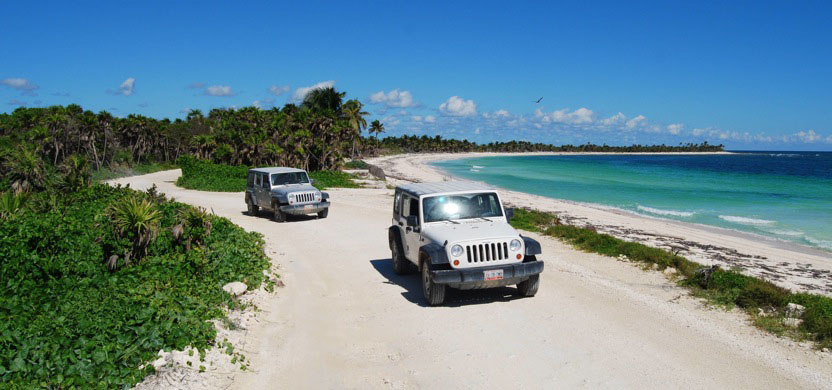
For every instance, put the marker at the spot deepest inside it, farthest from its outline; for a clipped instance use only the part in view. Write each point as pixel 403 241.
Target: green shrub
pixel 357 164
pixel 66 321
pixel 207 176
pixel 532 220
pixel 330 179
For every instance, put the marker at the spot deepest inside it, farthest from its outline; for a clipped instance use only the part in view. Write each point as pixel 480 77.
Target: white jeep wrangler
pixel 457 235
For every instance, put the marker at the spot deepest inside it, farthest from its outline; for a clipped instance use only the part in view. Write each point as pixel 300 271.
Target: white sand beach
pixel 786 264
pixel 345 320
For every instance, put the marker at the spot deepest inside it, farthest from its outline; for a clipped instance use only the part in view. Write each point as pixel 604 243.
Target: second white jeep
pixel 457 235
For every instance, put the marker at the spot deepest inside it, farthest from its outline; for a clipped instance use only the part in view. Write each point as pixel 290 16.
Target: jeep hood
pixel 468 230
pixel 288 189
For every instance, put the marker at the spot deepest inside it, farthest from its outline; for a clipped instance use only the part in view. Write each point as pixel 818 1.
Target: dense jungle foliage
pixel 96 281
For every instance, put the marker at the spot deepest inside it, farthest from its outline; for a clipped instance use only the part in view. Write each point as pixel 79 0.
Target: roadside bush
pixel 206 176
pixel 331 179
pixel 533 220
pixel 357 164
pixel 66 321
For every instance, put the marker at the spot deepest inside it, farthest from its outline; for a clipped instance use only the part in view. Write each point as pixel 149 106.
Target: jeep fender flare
pixel 532 246
pixel 435 252
pixel 394 237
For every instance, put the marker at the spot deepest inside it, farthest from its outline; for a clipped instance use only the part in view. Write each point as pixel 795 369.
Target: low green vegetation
pixel 207 176
pixel 94 282
pixel 357 164
pixel 727 288
pixel 333 179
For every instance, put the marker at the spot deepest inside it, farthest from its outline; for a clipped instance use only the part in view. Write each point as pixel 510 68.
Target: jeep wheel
pixel 529 287
pixel 400 265
pixel 279 216
pixel 252 209
pixel 434 293
pixel 323 214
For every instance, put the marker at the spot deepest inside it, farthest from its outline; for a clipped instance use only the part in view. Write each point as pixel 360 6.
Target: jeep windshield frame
pixel 286 178
pixel 461 206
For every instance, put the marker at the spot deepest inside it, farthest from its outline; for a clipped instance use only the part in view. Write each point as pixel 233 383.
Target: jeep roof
pixel 276 170
pixel 421 189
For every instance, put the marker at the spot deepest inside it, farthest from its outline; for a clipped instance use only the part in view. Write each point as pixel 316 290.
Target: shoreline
pixel 787 264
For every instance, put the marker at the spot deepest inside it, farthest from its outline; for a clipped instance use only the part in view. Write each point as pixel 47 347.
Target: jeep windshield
pixel 461 206
pixel 279 179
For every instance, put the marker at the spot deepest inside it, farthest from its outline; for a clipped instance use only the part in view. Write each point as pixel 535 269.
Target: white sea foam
pixel 477 166
pixel 666 212
pixel 474 170
pixel 746 220
pixel 825 244
pixel 791 233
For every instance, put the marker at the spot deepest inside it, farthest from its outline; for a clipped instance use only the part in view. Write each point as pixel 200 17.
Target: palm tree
pixel 322 99
pixel 355 118
pixel 376 128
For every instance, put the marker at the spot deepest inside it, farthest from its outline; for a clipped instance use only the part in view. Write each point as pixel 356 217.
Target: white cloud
pixel 829 139
pixel 809 137
pixel 675 128
pixel 301 92
pixel 637 121
pixel 477 131
pixel 278 90
pixel 698 132
pixel 430 119
pixel 501 113
pixel 417 118
pixel 23 85
pixel 577 117
pixel 457 106
pixel 219 90
pixel 126 88
pixel 614 120
pixel 394 98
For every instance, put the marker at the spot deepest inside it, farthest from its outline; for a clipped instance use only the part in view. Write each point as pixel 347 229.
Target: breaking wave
pixel 746 220
pixel 666 212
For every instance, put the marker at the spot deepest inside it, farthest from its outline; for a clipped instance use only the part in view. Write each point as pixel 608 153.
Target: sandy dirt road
pixel 344 320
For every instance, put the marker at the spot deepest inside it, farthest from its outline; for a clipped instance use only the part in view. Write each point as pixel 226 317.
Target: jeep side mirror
pixel 412 221
pixel 509 213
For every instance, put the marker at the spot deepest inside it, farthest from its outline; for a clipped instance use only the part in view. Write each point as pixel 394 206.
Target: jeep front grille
pixel 304 197
pixel 480 253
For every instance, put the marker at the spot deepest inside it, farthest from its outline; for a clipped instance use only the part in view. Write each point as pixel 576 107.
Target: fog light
pixel 519 256
pixel 456 263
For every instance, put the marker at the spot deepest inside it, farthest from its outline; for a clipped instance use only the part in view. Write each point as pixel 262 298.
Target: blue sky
pixel 751 75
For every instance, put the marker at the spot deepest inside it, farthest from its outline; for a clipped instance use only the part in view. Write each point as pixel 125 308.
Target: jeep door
pixel 261 182
pixel 412 235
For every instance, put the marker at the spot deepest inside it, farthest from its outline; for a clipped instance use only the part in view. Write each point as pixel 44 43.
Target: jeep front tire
pixel 434 293
pixel 279 216
pixel 323 213
pixel 252 208
pixel 528 287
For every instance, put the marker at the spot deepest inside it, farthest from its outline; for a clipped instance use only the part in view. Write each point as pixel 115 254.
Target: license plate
pixel 494 274
pixel 308 207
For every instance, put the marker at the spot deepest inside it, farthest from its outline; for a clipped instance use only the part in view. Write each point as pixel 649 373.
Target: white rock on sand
pixel 235 288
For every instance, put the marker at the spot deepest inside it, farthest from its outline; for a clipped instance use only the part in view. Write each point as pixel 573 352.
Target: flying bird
pixel 538 100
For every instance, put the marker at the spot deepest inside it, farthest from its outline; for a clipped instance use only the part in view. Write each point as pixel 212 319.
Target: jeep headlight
pixel 515 245
pixel 457 250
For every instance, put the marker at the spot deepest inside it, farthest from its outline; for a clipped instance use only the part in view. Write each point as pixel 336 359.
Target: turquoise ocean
pixel 783 195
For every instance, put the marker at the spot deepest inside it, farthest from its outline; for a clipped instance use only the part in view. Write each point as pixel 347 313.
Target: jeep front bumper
pixel 471 278
pixel 308 208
